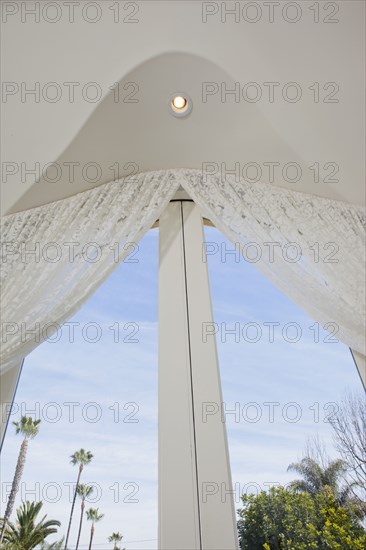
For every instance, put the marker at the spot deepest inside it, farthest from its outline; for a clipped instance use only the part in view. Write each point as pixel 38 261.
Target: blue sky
pixel 111 387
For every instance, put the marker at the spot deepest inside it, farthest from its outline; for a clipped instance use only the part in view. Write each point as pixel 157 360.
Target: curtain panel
pixel 55 256
pixel 312 248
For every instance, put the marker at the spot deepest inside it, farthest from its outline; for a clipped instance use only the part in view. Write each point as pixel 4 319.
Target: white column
pixel 360 362
pixel 8 386
pixel 196 509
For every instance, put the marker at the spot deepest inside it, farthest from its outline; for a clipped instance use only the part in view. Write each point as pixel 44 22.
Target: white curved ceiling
pixel 171 49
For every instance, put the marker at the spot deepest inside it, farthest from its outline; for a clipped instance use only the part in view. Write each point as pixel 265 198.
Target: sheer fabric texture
pixel 312 248
pixel 77 243
pixel 55 256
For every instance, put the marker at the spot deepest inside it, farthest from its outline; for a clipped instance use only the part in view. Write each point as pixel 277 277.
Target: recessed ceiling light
pixel 180 104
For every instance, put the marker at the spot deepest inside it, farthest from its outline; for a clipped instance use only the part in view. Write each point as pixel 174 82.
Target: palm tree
pixel 93 515
pixel 57 545
pixel 115 537
pixel 83 491
pixel 315 478
pixel 82 458
pixel 26 534
pixel 29 429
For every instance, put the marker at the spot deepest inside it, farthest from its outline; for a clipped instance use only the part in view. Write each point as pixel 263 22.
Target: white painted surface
pixel 178 505
pixel 360 361
pixel 107 52
pixel 8 385
pixel 196 508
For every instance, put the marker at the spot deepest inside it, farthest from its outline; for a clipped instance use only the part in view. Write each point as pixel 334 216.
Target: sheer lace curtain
pixel 311 248
pixel 55 256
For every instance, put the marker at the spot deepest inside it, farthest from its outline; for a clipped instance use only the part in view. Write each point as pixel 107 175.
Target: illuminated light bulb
pixel 179 102
pixel 180 105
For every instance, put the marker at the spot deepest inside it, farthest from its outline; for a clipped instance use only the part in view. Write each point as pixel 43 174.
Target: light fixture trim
pixel 180 104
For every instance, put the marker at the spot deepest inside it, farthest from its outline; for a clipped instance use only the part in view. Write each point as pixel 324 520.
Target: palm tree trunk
pixel 15 486
pixel 80 524
pixel 73 506
pixel 91 537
